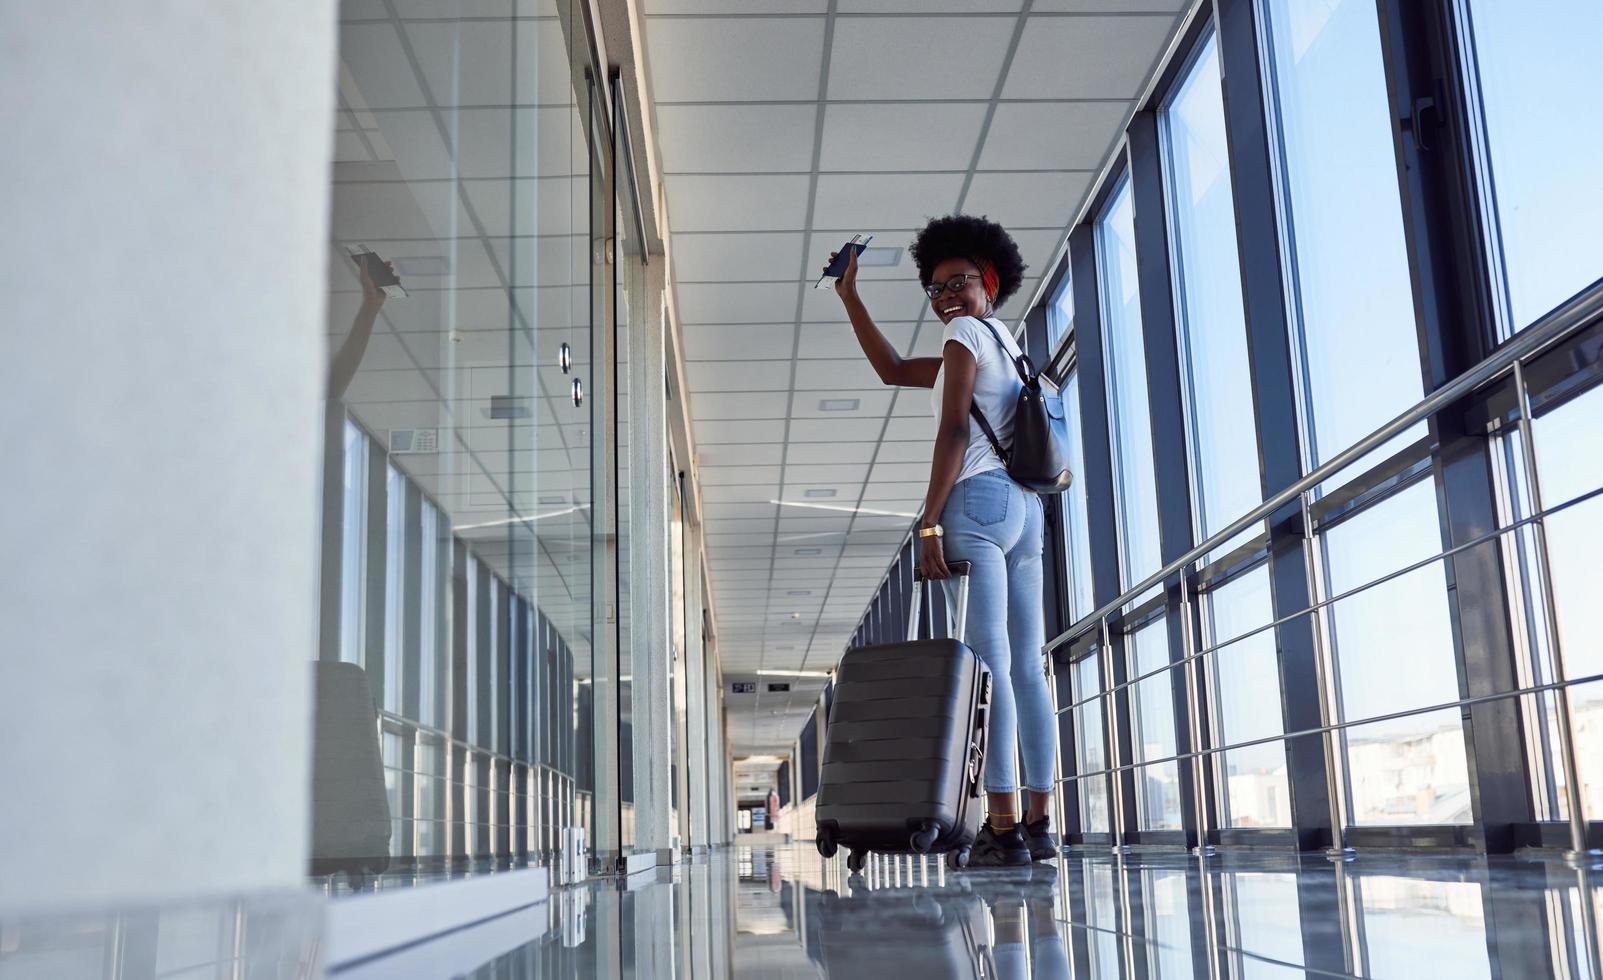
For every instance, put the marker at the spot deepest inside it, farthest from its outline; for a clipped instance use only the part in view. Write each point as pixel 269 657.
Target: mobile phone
pixel 837 268
pixel 377 271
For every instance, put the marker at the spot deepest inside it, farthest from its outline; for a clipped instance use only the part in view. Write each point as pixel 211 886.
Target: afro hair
pixel 969 237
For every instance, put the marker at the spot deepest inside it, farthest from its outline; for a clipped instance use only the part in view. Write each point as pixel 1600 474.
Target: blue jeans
pixel 998 526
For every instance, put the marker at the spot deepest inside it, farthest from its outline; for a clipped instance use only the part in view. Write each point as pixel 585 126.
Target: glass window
pixel 1246 685
pixel 394 579
pixel 1393 647
pixel 1060 312
pixel 431 619
pixel 353 546
pixel 1076 513
pixel 1570 467
pixel 1130 421
pixel 1207 277
pixel 1152 722
pixel 1090 746
pixel 471 180
pixel 1536 62
pixel 1353 303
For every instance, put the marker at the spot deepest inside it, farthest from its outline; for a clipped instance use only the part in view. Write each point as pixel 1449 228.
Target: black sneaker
pixel 1043 843
pixel 999 848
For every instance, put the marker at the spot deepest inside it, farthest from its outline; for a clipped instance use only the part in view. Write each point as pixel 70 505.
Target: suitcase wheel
pixel 958 858
pixel 855 861
pixel 827 845
pixel 922 839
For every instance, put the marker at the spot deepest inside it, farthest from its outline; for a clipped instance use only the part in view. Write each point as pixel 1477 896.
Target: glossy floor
pixel 784 912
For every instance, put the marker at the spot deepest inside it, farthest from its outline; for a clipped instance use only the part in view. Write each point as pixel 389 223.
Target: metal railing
pixel 555 804
pixel 1509 359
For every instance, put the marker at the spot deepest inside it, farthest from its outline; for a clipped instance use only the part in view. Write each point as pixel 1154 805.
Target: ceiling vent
pixel 414 441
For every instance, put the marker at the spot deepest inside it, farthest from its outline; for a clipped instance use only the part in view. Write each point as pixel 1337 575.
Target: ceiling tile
pixel 739 376
pixel 1051 135
pixel 901 136
pixel 1086 57
pixel 833 430
pixel 745 405
pixel 658 7
pixel 815 375
pixel 836 340
pixel 1045 200
pixel 928 6
pixel 736 138
pixel 739 454
pixel 742 342
pixel 739 430
pixel 832 473
pixel 802 454
pixel 737 302
pixel 760 203
pixel 1109 6
pixel 953 58
pixel 867 202
pixel 735 59
pixel 872 405
pixel 736 257
pixel 712 476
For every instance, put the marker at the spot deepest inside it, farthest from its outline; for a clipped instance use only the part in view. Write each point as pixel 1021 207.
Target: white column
pixel 163 265
pixel 649 572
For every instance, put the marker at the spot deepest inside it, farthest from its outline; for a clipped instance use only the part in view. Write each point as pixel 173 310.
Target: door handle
pixel 578 393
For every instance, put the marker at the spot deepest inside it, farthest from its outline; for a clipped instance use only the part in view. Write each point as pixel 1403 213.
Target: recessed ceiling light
pixel 818 492
pixel 879 256
pixel 809 551
pixel 839 404
pixel 800 592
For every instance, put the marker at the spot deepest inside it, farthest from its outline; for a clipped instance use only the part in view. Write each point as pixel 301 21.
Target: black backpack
pixel 1039 457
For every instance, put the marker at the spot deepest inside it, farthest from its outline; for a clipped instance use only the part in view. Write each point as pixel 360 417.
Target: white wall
pixel 161 368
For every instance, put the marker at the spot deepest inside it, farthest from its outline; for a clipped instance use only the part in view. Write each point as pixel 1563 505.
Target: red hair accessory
pixel 989 279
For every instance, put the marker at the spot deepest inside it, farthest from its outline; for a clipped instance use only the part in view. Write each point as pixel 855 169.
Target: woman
pixel 975 513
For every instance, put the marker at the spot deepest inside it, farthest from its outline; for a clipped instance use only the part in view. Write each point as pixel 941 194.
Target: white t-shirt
pixel 996 389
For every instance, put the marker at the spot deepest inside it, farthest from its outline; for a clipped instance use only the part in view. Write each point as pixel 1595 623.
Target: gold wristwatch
pixel 933 531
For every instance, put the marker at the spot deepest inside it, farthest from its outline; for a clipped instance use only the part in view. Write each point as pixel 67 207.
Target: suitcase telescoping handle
pixel 957 568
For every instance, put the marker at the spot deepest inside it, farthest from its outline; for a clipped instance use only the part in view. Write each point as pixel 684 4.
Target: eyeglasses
pixel 956 284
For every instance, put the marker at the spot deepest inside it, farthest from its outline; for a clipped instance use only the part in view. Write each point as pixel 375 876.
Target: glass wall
pixel 1244 671
pixel 1534 64
pixel 1076 513
pixel 1152 733
pixel 1350 594
pixel 1207 284
pixel 461 400
pixel 1090 744
pixel 1393 646
pixel 1349 290
pixel 1135 486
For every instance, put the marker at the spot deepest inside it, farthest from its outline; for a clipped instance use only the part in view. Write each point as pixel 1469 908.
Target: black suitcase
pixel 905 746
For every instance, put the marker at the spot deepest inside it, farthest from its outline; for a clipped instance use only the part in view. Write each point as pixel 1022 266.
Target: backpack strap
pixel 1026 371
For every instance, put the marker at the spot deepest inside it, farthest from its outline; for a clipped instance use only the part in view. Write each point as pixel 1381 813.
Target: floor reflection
pixel 784 912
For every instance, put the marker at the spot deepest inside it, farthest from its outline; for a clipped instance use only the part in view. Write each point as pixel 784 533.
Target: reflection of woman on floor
pixel 1026 914
pixel 342 366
